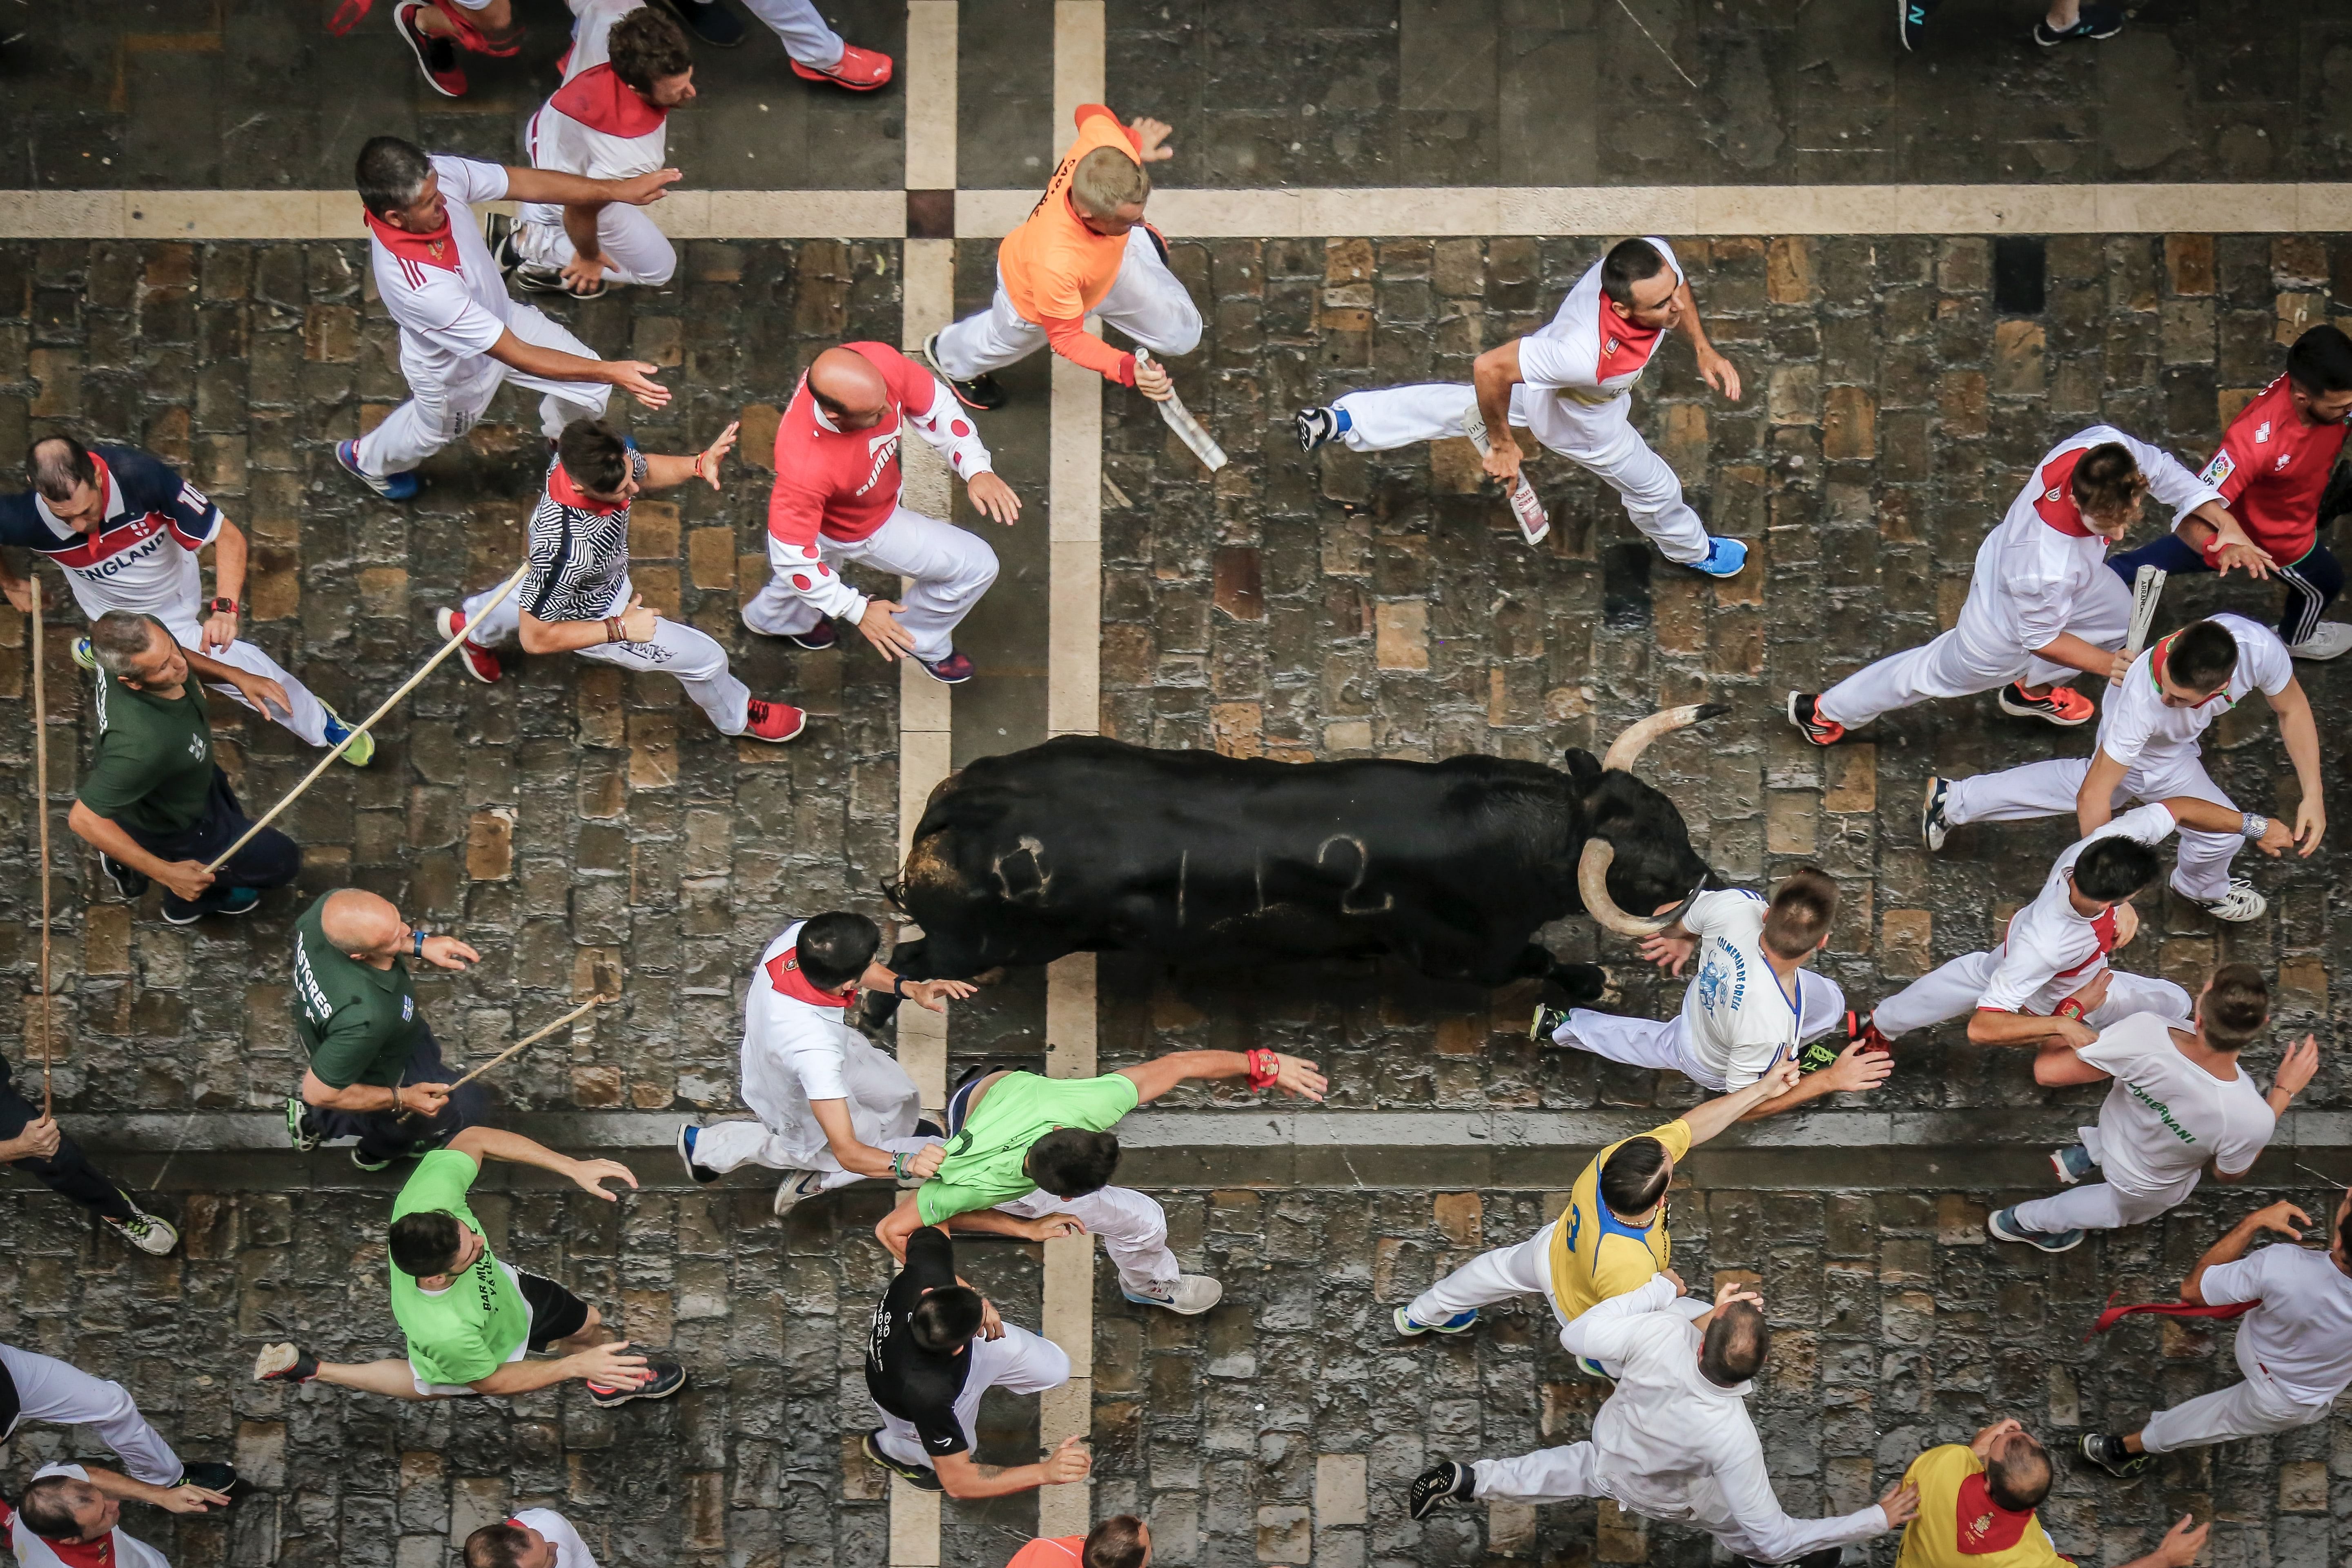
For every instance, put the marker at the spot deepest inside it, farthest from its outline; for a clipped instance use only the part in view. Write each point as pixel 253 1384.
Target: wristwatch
pixel 898 985
pixel 221 608
pixel 416 937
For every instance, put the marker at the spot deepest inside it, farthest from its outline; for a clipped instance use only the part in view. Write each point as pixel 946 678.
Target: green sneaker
pixel 298 1125
pixel 364 1163
pixel 361 751
pixel 82 655
pixel 1548 1021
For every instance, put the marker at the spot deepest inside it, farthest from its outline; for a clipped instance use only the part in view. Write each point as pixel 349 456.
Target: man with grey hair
pixel 155 805
pixel 1084 248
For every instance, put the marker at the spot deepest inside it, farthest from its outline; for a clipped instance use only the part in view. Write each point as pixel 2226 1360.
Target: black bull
pixel 1085 845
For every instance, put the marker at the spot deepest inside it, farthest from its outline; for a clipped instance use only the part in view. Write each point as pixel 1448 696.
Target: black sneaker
pixel 700 1175
pixel 299 1130
pixel 669 1377
pixel 916 1475
pixel 1933 826
pixel 708 20
pixel 1314 427
pixel 981 392
pixel 532 278
pixel 214 1477
pixel 498 233
pixel 370 1165
pixel 1911 20
pixel 2106 1450
pixel 1547 1023
pixel 817 639
pixel 130 884
pixel 1804 712
pixel 1442 1482
pixel 284 1362
pixel 2094 22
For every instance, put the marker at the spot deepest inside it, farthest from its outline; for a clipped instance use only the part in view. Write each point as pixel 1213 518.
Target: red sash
pixel 2114 1314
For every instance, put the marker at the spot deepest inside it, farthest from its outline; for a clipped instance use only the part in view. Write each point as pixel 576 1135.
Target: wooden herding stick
pixel 41 805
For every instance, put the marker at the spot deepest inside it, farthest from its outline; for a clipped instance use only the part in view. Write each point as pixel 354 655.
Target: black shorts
pixel 555 1313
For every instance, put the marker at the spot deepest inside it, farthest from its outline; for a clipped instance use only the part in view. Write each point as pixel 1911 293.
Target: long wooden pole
pixel 41 806
pixel 408 686
pixel 590 1006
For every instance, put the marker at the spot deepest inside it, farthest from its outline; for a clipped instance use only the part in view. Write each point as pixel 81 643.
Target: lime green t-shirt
pixel 982 1167
pixel 468 1331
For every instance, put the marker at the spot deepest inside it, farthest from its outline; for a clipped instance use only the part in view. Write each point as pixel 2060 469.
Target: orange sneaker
pixel 860 70
pixel 2061 705
pixel 776 721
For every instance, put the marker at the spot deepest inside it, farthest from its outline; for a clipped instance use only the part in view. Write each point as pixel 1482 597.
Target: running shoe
pixel 241 901
pixel 2073 1163
pixel 150 1234
pixel 1804 712
pixel 299 1130
pixel 1548 1022
pixel 2062 705
pixel 1318 426
pixel 391 487
pixel 362 751
pixel 1724 557
pixel 284 1362
pixel 437 57
pixel 1192 1295
pixel 669 1377
pixel 2240 903
pixel 983 391
pixel 2002 1226
pixel 2328 639
pixel 2106 1450
pixel 917 1475
pixel 773 721
pixel 817 639
pixel 1413 1328
pixel 1933 826
pixel 83 655
pixel 1443 1482
pixel 797 1187
pixel 702 1175
pixel 2095 22
pixel 952 671
pixel 480 662
pixel 859 71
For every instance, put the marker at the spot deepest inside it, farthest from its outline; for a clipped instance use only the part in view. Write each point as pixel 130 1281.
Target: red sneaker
pixel 776 721
pixel 860 70
pixel 436 56
pixel 1805 713
pixel 2061 705
pixel 480 662
pixel 952 671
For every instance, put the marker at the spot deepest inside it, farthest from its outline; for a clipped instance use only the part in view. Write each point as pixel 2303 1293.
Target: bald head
pixel 361 923
pixel 850 390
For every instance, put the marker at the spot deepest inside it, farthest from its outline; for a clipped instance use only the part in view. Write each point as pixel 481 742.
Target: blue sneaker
pixel 702 1175
pixel 2073 1163
pixel 83 655
pixel 392 487
pixel 1591 1368
pixel 359 753
pixel 2003 1226
pixel 1724 557
pixel 1314 427
pixel 1459 1323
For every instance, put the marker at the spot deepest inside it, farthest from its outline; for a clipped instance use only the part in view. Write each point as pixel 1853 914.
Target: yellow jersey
pixel 1595 1255
pixel 1959 1525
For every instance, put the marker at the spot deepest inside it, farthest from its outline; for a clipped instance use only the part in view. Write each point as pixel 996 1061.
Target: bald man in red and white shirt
pixel 837 499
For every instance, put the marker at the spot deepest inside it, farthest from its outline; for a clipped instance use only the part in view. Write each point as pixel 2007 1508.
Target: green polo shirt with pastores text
pixel 152 771
pixel 359 1022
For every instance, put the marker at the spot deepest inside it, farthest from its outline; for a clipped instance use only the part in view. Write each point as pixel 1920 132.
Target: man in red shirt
pixel 2272 471
pixel 837 499
pixel 1122 1541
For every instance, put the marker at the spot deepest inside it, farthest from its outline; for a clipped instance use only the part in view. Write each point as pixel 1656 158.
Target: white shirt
pixel 2051 952
pixel 2030 571
pixel 1739 1018
pixel 1584 352
pixel 2165 1116
pixel 796 1052
pixel 2136 726
pixel 2301 1335
pixel 31 1551
pixel 452 307
pixel 571 1551
pixel 1672 1445
pixel 610 133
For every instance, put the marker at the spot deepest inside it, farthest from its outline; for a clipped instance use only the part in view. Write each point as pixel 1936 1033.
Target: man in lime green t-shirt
pixel 1032 1157
pixel 471 1320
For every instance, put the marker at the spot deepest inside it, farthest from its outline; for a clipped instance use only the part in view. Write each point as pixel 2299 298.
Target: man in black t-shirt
pixel 937 1346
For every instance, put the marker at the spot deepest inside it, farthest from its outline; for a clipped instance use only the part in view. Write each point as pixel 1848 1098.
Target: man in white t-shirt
pixel 1569 384
pixel 1750 1003
pixel 535 1538
pixel 2024 991
pixel 831 1108
pixel 460 336
pixel 70 1515
pixel 2180 1102
pixel 2148 750
pixel 2294 1346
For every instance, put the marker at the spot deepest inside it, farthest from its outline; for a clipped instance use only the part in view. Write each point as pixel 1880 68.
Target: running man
pixel 2039 609
pixel 70 1517
pixel 1570 385
pixel 831 1108
pixel 1122 1541
pixel 577 598
pixel 125 530
pixel 1750 1007
pixel 534 1538
pixel 1083 250
pixel 471 1320
pixel 1032 1157
pixel 461 338
pixel 2179 1103
pixel 2294 1344
pixel 2148 750
pixel 937 1346
pixel 1612 1238
pixel 1977 1503
pixel 2273 470
pixel 44 1389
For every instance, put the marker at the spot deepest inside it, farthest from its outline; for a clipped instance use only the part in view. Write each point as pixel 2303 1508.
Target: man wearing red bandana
pixel 1569 384
pixel 2041 608
pixel 69 1517
pixel 460 336
pixel 1976 1509
pixel 831 1108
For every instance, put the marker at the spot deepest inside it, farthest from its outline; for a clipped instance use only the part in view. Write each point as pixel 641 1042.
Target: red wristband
pixel 1265 1068
pixel 2070 1008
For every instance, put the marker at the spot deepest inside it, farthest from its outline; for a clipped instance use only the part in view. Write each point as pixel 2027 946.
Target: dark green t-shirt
pixel 153 772
pixel 358 1022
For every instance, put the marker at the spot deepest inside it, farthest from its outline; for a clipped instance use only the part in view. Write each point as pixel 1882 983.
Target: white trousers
pixel 636 249
pixel 1957 665
pixel 308 717
pixel 1506 1272
pixel 2247 1409
pixel 2099 1206
pixel 2049 789
pixel 1132 1228
pixel 1568 1473
pixel 436 415
pixel 806 38
pixel 1664 1043
pixel 724 1146
pixel 693 658
pixel 1147 302
pixel 1020 1363
pixel 50 1390
pixel 1599 439
pixel 951 568
pixel 1952 990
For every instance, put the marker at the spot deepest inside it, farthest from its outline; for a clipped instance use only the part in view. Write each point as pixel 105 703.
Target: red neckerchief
pixel 1625 344
pixel 2156 658
pixel 2114 1314
pixel 561 489
pixel 785 974
pixel 2056 501
pixel 1983 1524
pixel 438 248
pixel 598 99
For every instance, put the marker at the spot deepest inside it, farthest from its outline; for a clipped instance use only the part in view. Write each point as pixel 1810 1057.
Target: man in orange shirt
pixel 1085 248
pixel 1122 1541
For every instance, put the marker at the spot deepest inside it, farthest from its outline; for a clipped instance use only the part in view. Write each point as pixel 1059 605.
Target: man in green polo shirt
pixel 156 807
pixel 375 1070
pixel 1032 1157
pixel 471 1320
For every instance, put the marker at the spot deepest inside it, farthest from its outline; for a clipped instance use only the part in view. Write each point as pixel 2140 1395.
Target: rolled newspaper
pixel 1188 429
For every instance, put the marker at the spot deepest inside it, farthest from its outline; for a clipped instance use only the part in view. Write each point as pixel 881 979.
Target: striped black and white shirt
pixel 579 551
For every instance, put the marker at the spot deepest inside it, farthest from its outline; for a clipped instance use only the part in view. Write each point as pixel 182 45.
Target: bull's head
pixel 1635 837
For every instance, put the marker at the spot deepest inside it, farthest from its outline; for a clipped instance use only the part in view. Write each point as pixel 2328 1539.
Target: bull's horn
pixel 1592 883
pixel 1627 749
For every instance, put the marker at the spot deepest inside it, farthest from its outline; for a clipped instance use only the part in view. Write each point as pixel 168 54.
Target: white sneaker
pixel 1525 504
pixel 1190 1295
pixel 151 1234
pixel 2240 904
pixel 798 1184
pixel 2328 639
